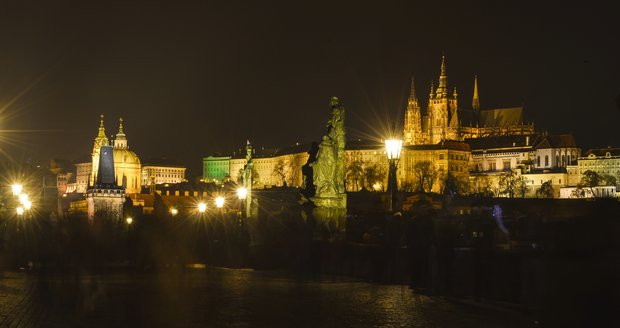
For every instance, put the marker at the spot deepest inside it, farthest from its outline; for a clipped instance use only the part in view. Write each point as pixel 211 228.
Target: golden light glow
pixel 27 205
pixel 219 202
pixel 20 210
pixel 377 186
pixel 242 193
pixel 202 207
pixel 393 147
pixel 23 198
pixel 17 189
pixel 174 211
pixel 129 220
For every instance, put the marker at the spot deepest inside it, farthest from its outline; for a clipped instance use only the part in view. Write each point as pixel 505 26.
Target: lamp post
pixel 242 194
pixel 202 207
pixel 393 147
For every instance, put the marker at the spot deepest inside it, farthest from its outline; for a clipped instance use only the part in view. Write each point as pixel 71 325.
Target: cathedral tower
pixel 413 119
pixel 443 122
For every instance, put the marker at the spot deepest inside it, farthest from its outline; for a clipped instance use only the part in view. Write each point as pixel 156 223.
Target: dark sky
pixel 193 78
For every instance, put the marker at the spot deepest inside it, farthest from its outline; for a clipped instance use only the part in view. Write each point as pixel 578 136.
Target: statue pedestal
pixel 330 216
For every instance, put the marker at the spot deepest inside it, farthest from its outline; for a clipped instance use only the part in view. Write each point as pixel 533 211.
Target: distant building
pixel 82 176
pixel 604 161
pixel 162 171
pixel 215 168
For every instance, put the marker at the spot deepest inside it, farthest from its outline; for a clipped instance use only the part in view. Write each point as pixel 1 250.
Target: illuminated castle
pixel 444 120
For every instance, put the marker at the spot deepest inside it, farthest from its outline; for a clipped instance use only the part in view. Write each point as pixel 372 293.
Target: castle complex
pixel 444 120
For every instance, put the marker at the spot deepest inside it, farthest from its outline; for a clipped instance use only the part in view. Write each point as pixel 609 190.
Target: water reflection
pixel 235 298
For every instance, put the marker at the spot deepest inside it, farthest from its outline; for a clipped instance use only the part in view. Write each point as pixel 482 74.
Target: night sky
pixel 195 78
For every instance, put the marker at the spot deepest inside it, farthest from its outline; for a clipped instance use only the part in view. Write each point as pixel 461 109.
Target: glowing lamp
pixel 242 193
pixel 219 202
pixel 129 220
pixel 393 147
pixel 20 210
pixel 27 205
pixel 202 207
pixel 174 211
pixel 23 198
pixel 17 189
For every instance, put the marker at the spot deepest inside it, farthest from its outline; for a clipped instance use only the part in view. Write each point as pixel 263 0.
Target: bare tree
pixel 279 171
pixel 512 185
pixel 373 173
pixel 354 173
pixel 425 175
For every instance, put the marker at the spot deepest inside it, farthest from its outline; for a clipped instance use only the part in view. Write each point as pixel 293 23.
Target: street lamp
pixel 242 193
pixel 393 147
pixel 202 207
pixel 17 189
pixel 23 198
pixel 174 211
pixel 20 211
pixel 129 220
pixel 219 201
pixel 27 205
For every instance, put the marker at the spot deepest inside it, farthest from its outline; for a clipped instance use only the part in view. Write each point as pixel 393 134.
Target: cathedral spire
pixel 432 94
pixel 442 89
pixel 475 103
pixel 412 96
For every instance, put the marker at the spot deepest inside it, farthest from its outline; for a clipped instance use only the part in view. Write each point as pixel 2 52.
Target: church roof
pixel 603 152
pixel 499 142
pixel 446 144
pixel 501 117
pixel 556 141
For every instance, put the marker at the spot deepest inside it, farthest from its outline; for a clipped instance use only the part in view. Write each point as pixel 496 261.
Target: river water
pixel 214 297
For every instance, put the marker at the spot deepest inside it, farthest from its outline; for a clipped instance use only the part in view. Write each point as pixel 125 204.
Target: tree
pixel 354 173
pixel 425 175
pixel 280 170
pixel 511 185
pixel 545 190
pixel 589 180
pixel 454 185
pixel 608 180
pixel 373 173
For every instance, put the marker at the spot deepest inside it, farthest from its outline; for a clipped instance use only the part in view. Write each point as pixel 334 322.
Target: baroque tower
pixel 100 140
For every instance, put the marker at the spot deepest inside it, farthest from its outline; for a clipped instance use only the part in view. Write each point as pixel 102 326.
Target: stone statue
pixel 328 169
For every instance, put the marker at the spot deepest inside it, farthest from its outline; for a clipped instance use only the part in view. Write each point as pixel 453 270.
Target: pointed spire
pixel 120 127
pixel 432 94
pixel 475 103
pixel 101 133
pixel 413 99
pixel 442 89
pixel 455 94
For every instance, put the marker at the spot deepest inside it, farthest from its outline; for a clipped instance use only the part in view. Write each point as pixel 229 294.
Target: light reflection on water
pixel 246 298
